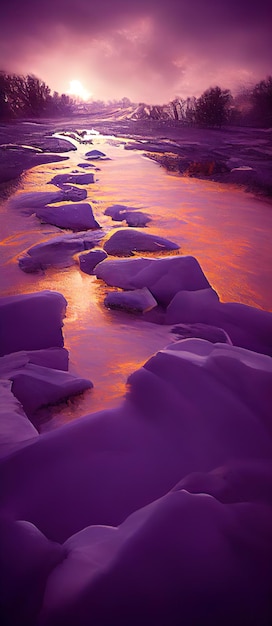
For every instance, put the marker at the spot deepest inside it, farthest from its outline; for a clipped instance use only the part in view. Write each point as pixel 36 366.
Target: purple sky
pixel 148 50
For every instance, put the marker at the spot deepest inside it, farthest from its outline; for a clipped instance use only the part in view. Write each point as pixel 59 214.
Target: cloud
pixel 146 49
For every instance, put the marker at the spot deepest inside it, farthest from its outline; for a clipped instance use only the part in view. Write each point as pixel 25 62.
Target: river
pixel 227 230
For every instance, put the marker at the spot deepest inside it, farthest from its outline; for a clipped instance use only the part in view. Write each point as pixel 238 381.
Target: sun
pixel 77 89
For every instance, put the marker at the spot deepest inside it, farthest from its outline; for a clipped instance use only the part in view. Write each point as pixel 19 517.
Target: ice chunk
pixel 138 300
pixel 125 241
pixel 88 261
pixel 31 321
pixel 74 216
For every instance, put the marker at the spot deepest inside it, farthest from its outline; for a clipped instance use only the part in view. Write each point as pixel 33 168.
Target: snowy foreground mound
pixel 158 512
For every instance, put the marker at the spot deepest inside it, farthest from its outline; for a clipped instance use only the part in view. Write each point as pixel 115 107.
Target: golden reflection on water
pixel 227 230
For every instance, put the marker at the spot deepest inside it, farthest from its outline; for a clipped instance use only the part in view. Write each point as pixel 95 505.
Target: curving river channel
pixel 227 230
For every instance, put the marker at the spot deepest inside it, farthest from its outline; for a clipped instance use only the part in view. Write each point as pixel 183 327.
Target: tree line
pixel 216 106
pixel 28 96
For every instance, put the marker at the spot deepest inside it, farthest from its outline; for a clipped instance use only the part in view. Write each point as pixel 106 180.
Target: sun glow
pixel 77 89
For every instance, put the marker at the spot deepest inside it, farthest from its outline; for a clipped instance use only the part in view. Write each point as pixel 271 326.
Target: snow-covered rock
pixel 164 277
pixel 55 144
pixel 138 300
pixel 125 241
pixel 31 321
pixel 76 179
pixel 136 218
pixel 131 215
pixel 59 251
pixel 89 260
pixel 116 211
pixel 36 386
pixel 246 326
pixel 30 201
pixel 55 358
pixel 95 154
pixel 85 165
pixel 75 216
pixel 15 427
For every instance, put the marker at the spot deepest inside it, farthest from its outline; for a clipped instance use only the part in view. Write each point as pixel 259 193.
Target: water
pixel 227 230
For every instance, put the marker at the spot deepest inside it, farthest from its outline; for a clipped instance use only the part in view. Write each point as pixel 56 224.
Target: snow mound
pixel 138 300
pixel 126 241
pixel 31 321
pixel 30 201
pixel 74 216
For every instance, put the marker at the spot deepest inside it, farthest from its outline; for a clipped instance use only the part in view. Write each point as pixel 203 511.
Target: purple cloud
pixel 146 49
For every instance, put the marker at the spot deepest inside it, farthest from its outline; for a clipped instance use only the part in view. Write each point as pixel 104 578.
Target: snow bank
pixel 76 179
pixel 190 408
